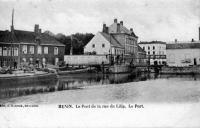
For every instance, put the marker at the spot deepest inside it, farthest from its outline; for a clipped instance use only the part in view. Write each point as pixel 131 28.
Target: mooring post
pixel 102 67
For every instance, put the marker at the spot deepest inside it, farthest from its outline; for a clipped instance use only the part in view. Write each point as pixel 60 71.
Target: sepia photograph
pixel 99 63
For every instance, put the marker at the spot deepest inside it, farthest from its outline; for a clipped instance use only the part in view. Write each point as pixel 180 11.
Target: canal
pixel 99 88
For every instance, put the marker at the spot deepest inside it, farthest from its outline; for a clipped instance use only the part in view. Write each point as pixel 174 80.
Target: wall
pixel 182 57
pixel 98 40
pixel 86 59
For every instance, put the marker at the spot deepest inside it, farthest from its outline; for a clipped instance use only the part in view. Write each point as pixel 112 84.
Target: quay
pixel 180 70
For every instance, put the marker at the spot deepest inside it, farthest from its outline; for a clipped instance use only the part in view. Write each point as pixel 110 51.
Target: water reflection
pixel 20 87
pixel 77 80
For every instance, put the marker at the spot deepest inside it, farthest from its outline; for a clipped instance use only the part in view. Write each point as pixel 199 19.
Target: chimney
pixel 115 20
pixel 40 31
pixel 199 33
pixel 36 29
pixel 192 40
pixel 176 40
pixel 118 28
pixel 121 22
pixel 104 28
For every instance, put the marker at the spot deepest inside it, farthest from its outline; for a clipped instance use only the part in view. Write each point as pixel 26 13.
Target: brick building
pixel 18 47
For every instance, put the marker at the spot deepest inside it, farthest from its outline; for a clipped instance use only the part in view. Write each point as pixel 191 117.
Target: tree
pixel 78 43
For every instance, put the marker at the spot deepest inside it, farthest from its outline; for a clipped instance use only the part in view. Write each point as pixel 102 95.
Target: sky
pixel 163 20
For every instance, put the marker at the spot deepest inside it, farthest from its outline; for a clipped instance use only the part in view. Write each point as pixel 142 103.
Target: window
pixel 148 53
pixel 143 48
pixel 39 49
pixel 154 52
pixel 103 45
pixel 9 51
pixel 4 51
pixel 148 48
pixel 93 45
pixel 153 47
pixel 24 49
pixel 55 51
pixel 45 50
pixel 0 51
pixel 16 51
pixel 31 50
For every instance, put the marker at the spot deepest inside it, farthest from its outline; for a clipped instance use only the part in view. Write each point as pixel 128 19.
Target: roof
pixel 152 42
pixel 111 39
pixel 28 37
pixel 180 42
pixel 122 29
pixel 183 46
pixel 5 36
pixel 140 49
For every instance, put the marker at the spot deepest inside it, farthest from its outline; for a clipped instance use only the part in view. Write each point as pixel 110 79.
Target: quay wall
pixel 181 70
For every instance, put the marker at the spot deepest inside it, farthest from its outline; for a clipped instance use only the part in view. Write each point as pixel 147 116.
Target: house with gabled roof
pixel 115 40
pixel 107 44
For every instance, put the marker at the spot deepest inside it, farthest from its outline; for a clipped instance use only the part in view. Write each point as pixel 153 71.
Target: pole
pixel 71 49
pixel 11 50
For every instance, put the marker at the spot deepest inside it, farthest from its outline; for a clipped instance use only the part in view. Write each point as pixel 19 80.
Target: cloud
pixel 150 19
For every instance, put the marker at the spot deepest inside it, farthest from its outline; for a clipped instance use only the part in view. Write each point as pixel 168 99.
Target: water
pixel 98 88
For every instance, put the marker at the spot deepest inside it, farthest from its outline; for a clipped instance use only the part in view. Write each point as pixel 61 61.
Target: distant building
pixel 115 40
pixel 156 52
pixel 141 56
pixel 183 53
pixel 18 46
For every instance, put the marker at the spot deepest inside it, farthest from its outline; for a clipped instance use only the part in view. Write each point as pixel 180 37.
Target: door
pixel 195 61
pixel 56 61
pixel 37 62
pixel 155 62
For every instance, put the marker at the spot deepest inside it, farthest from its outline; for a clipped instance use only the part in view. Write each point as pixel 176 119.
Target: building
pixel 141 56
pixel 183 53
pixel 156 52
pixel 30 47
pixel 115 40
